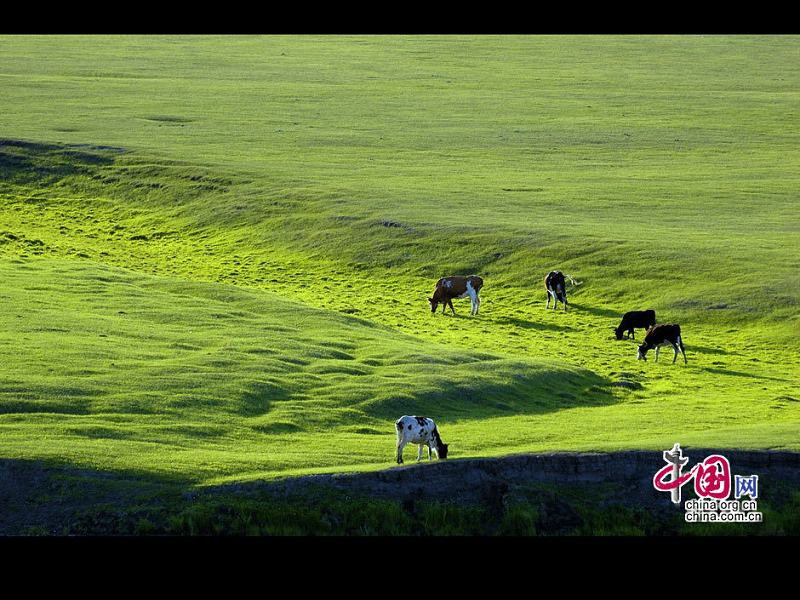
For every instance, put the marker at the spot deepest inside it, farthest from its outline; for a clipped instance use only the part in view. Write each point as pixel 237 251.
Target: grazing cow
pixel 422 431
pixel 556 287
pixel 457 286
pixel 662 335
pixel 644 319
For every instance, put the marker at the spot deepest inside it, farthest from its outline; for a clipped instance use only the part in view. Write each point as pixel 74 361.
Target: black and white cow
pixel 556 287
pixel 457 286
pixel 662 335
pixel 422 431
pixel 643 319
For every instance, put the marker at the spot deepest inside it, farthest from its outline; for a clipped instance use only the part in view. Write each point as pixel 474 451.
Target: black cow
pixel 643 319
pixel 556 287
pixel 661 335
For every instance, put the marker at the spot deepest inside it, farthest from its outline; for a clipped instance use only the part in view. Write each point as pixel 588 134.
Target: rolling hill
pixel 216 251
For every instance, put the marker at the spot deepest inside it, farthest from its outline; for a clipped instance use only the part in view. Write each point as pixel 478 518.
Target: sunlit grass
pixel 216 252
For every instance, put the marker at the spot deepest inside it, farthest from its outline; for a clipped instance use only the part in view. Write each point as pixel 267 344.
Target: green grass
pixel 101 360
pixel 216 252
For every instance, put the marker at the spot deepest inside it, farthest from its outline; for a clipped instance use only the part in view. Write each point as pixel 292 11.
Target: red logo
pixel 712 477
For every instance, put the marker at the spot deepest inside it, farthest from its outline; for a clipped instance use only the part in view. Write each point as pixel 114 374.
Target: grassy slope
pixel 660 172
pixel 109 368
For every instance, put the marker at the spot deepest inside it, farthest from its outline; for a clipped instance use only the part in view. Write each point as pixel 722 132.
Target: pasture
pixel 216 251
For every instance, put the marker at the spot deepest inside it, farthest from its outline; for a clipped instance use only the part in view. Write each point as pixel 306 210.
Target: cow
pixel 662 335
pixel 422 431
pixel 644 319
pixel 556 287
pixel 456 286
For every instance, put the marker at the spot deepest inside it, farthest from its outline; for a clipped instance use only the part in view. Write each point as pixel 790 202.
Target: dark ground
pixel 531 494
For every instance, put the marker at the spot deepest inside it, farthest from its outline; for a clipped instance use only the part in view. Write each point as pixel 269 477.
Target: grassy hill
pixel 216 251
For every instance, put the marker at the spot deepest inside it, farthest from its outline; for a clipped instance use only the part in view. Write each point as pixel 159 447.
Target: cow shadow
pixel 705 349
pixel 731 373
pixel 598 312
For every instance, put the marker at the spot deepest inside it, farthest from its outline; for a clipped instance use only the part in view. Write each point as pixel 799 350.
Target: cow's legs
pixel 548 301
pixel 429 452
pixel 450 303
pixel 473 296
pixel 680 345
pixel 419 452
pixel 400 446
pixel 657 349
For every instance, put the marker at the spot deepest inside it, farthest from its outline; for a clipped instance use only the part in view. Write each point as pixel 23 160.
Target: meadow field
pixel 216 252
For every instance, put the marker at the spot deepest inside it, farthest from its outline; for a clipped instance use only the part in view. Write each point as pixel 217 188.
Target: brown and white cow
pixel 662 335
pixel 456 286
pixel 556 287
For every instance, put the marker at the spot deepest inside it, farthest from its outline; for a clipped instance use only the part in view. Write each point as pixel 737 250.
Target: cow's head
pixel 434 304
pixel 441 450
pixel 641 352
pixel 618 331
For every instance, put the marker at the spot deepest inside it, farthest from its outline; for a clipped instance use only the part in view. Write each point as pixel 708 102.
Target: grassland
pixel 216 252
